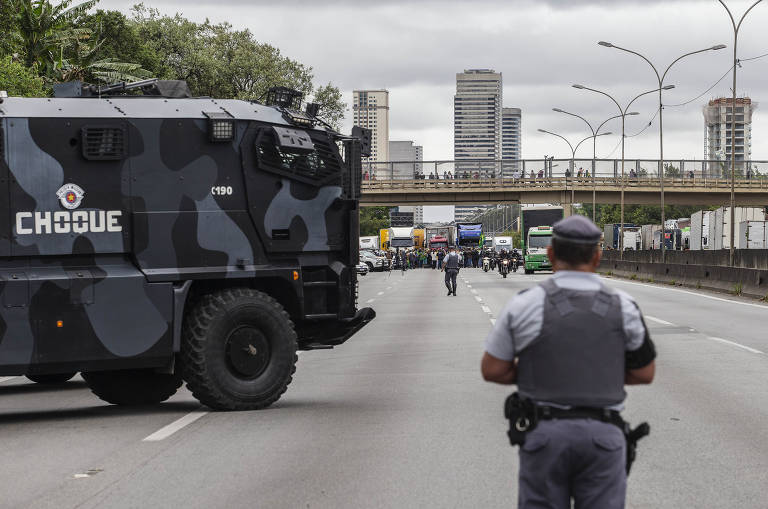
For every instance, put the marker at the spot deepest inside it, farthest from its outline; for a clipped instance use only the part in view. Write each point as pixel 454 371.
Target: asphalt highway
pixel 399 417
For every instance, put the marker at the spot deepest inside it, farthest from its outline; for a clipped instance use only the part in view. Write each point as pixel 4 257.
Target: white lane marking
pixel 380 293
pixel 6 378
pixel 389 287
pixel 761 306
pixel 369 301
pixel 487 309
pixel 658 320
pixel 493 321
pixel 733 343
pixel 175 426
pixel 478 299
pixel 469 286
pixel 473 290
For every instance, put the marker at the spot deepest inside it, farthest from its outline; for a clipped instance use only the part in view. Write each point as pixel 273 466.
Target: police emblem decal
pixel 70 196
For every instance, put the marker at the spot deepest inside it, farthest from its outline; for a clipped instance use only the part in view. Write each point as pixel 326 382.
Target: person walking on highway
pixel 433 257
pixel 440 256
pixel 571 344
pixel 451 269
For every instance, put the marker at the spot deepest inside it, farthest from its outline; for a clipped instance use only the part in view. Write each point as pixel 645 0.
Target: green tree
pixel 45 30
pixel 373 219
pixel 85 64
pixel 18 80
pixel 331 105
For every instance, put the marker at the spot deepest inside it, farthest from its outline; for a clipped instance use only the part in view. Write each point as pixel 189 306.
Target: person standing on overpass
pixel 570 344
pixel 451 269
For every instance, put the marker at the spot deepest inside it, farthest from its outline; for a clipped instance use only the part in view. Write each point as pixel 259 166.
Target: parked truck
pixel 369 242
pixel 711 229
pixel 752 235
pixel 440 236
pixel 418 237
pixel 537 235
pixel 502 244
pixel 468 234
pixel 401 237
pixel 611 232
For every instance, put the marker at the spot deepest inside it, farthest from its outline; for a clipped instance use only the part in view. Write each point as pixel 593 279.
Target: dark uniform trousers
pixel 451 271
pixel 578 459
pixel 581 459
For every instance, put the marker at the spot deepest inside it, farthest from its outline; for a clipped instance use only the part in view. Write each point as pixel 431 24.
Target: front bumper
pixel 329 333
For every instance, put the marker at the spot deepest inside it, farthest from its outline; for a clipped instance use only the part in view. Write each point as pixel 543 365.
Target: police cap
pixel 576 229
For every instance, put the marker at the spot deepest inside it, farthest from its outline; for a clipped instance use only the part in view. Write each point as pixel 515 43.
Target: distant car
pixel 362 268
pixel 374 263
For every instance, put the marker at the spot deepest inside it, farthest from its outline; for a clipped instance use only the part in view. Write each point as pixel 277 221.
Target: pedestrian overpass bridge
pixel 540 181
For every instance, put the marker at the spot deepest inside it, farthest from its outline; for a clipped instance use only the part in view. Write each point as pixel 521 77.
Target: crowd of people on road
pixel 425 258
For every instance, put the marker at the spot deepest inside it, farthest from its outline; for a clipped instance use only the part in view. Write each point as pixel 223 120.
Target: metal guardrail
pixel 649 184
pixel 531 170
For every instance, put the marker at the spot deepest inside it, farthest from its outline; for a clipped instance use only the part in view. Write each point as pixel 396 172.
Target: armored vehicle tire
pixel 133 386
pixel 58 378
pixel 238 350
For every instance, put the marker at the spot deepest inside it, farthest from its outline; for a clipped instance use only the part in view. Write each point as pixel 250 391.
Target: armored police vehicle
pixel 155 238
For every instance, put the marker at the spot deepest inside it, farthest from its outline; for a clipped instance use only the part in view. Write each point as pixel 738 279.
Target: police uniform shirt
pixel 521 320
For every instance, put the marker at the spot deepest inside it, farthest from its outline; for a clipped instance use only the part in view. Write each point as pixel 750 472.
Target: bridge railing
pixel 578 173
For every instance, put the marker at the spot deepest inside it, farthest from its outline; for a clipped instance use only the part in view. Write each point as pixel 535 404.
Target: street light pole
pixel 594 150
pixel 736 27
pixel 660 79
pixel 623 112
pixel 573 154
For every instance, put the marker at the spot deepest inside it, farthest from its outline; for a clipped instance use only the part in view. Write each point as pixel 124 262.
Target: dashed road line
pixel 487 309
pixel 478 299
pixel 175 426
pixel 380 293
pixel 658 320
pixel 369 301
pixel 6 378
pixel 733 343
pixel 493 321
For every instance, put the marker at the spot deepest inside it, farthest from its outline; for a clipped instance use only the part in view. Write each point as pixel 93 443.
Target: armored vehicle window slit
pixel 103 142
pixel 307 157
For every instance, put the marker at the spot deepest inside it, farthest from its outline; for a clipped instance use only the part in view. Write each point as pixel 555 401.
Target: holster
pixel 633 436
pixel 521 413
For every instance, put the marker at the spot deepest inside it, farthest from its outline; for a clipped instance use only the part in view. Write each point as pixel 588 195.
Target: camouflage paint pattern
pixel 97 286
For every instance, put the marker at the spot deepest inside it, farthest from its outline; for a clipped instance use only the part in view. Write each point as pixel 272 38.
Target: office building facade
pixel 370 109
pixel 477 109
pixel 511 141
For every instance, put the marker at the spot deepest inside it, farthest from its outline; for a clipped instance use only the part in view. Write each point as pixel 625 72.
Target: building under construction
pixel 719 120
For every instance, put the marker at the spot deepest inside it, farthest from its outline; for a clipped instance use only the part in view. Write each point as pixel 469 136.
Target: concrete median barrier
pixel 707 270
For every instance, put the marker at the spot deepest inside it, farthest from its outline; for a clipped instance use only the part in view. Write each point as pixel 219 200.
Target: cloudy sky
pixel 415 48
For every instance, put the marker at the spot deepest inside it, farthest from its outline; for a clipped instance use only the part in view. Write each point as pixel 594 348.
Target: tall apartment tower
pixel 370 109
pixel 476 127
pixel 409 165
pixel 719 119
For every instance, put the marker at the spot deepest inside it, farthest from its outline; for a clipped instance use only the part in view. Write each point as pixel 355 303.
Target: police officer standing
pixel 571 344
pixel 451 269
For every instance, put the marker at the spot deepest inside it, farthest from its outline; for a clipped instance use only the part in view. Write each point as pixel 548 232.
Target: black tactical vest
pixel 452 261
pixel 578 357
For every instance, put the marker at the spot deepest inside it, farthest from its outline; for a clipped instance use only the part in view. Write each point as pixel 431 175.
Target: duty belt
pixel 599 414
pixel 524 415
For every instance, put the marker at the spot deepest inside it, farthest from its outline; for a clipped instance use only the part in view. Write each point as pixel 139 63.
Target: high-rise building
pixel 370 109
pixel 406 164
pixel 476 128
pixel 511 140
pixel 405 158
pixel 477 115
pixel 719 119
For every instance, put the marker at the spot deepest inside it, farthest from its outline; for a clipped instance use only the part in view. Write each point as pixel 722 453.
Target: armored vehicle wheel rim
pixel 248 352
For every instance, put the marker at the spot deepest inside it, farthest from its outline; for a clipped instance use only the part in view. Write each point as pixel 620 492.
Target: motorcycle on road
pixel 486 263
pixel 504 268
pixel 515 263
